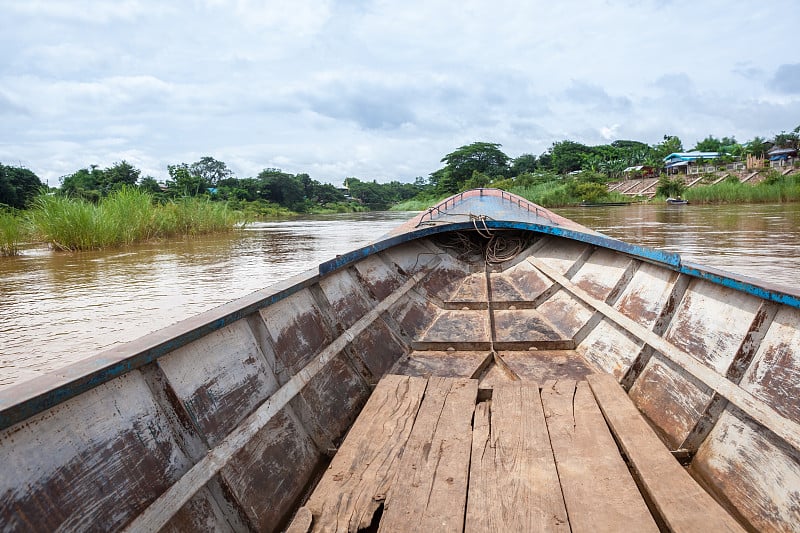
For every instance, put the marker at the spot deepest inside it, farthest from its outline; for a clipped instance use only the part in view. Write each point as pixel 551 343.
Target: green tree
pixel 18 186
pixel 86 183
pixel 150 184
pixel 183 183
pixel 210 170
pixel 709 144
pixel 788 140
pixel 670 187
pixel 282 188
pixel 757 146
pixel 369 193
pixel 670 145
pixel 117 176
pixel 483 157
pixel 522 164
pixel 568 156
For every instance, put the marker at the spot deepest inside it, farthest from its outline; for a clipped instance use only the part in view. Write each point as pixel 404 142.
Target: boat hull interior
pixel 228 421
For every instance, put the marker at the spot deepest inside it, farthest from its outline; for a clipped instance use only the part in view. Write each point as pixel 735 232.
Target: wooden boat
pixel 516 371
pixel 677 201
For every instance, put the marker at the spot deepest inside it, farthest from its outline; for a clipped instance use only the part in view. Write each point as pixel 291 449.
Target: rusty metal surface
pixel 599 275
pixel 520 283
pixel 200 514
pixel 610 348
pixel 297 331
pixel 331 401
pixel 349 303
pixel 711 323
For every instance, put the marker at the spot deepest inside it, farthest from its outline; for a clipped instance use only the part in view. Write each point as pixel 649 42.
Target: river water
pixel 56 308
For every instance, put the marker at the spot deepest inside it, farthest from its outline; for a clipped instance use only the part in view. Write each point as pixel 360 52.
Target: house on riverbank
pixel 697 163
pixel 782 157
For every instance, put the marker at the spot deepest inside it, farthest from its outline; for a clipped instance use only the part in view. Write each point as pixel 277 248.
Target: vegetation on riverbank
pixel 774 189
pixel 84 208
pixel 12 233
pixel 126 216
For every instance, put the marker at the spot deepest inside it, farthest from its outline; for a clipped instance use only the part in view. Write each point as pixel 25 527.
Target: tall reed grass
pixel 12 232
pixel 124 217
pixel 775 190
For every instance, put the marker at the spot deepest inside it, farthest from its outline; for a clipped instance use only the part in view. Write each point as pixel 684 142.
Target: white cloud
pixel 378 89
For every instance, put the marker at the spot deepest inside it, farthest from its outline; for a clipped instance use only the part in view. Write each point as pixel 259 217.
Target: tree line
pixel 212 179
pixel 479 164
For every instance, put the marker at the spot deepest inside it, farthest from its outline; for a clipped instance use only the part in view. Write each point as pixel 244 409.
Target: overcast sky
pixel 381 90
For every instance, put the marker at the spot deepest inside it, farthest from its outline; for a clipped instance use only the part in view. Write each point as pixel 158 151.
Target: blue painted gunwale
pixel 669 260
pixel 19 402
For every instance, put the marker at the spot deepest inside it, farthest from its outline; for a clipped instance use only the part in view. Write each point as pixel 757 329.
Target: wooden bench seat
pixel 682 504
pixel 425 454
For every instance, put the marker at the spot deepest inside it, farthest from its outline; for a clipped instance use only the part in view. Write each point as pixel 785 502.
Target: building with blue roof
pixel 690 162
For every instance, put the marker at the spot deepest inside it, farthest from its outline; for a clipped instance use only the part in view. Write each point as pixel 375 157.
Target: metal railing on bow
pixel 443 207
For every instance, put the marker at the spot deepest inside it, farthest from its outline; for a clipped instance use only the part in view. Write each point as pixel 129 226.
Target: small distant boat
pixel 677 201
pixel 488 365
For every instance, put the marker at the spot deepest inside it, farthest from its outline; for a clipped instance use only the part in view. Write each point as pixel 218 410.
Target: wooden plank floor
pixel 426 455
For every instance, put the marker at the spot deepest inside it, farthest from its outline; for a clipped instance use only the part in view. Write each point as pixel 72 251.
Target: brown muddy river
pixel 57 308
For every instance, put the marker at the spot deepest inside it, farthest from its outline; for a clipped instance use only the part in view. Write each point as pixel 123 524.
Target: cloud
pixel 371 105
pixel 8 108
pixel 92 11
pixel 595 97
pixel 377 89
pixel 787 79
pixel 748 71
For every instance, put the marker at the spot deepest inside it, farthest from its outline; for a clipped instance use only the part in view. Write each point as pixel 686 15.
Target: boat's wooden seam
pixel 328 316
pixel 679 500
pixel 579 261
pixel 759 411
pixel 599 492
pixel 363 470
pixel 430 490
pixel 613 296
pixel 676 294
pixel 165 506
pixel 741 361
pixel 513 482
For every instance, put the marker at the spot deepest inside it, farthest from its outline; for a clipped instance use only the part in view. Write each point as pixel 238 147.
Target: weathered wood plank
pixel 599 492
pixel 513 483
pixel 430 490
pixel 753 470
pixel 680 501
pixel 361 473
pixel 764 414
pixel 170 501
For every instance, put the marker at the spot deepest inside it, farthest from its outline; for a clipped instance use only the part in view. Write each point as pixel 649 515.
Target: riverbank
pixel 125 217
pixel 560 191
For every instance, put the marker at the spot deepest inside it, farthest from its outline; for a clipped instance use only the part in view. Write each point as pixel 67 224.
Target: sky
pixel 377 89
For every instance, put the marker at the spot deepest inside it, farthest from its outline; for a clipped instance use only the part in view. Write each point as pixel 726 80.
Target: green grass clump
pixel 124 217
pixel 774 189
pixel 12 232
pixel 413 205
pixel 194 216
